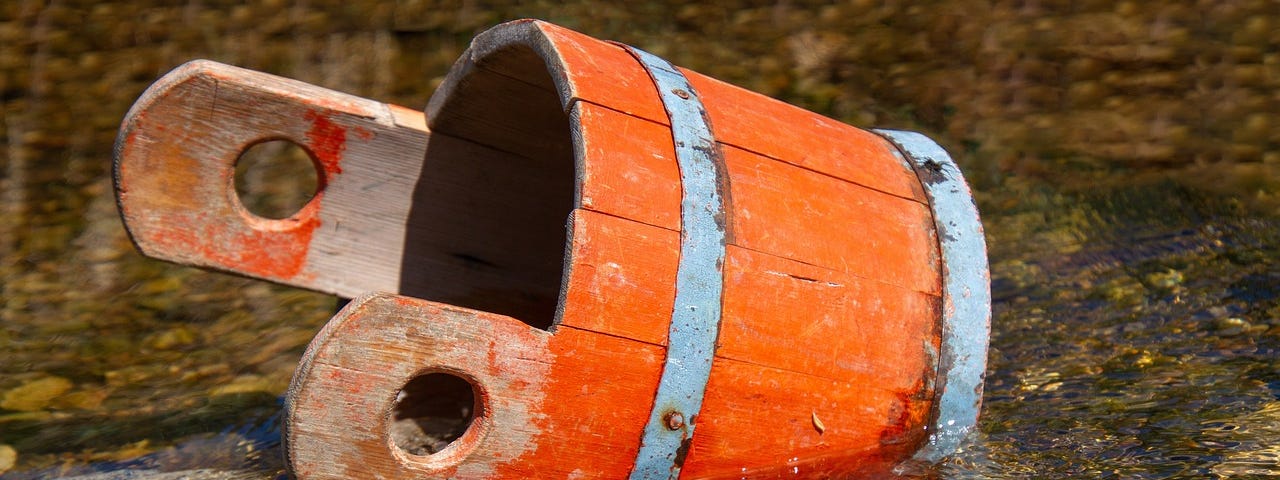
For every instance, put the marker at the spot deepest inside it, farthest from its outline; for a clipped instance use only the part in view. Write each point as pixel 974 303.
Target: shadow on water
pixel 239 453
pixel 1126 158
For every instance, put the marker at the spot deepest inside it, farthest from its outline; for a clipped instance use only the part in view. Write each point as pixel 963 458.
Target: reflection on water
pixel 1126 159
pixel 1137 332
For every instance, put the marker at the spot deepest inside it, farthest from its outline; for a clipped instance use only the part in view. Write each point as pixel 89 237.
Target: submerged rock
pixel 1231 326
pixel 8 458
pixel 35 395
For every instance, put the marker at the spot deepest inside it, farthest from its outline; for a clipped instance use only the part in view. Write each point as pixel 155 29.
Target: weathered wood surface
pixel 536 226
pixel 557 405
pixel 175 163
pixel 344 392
pixel 378 203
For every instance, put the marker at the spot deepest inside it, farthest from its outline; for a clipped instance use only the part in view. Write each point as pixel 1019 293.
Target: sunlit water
pixel 1136 336
pixel 1137 303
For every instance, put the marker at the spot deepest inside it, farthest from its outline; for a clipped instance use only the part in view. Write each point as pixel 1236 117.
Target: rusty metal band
pixel 695 320
pixel 966 293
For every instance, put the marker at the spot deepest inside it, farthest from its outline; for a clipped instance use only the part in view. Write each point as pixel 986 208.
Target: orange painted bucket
pixel 626 268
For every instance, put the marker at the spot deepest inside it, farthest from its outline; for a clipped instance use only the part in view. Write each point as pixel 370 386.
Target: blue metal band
pixel 966 293
pixel 695 320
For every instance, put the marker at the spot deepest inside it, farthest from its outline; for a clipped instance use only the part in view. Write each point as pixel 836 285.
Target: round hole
pixel 432 411
pixel 275 179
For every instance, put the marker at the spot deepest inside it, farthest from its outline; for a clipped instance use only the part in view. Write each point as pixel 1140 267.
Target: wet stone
pixel 87 399
pixel 1231 326
pixel 217 370
pixel 244 384
pixel 35 395
pixel 8 458
pixel 133 375
pixel 172 338
pixel 1167 279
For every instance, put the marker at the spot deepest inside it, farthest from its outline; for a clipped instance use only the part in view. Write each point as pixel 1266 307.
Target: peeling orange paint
pixel 270 254
pixel 327 140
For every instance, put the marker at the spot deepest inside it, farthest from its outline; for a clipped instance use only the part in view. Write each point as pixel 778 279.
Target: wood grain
pixel 766 126
pixel 557 59
pixel 175 160
pixel 548 405
pixel 621 278
pixel 805 216
pixel 755 415
pixel 825 323
pixel 398 210
pixel 627 166
pixel 340 402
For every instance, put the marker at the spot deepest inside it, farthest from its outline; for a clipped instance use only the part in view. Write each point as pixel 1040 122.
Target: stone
pixel 243 384
pixel 8 458
pixel 35 395
pixel 172 338
pixel 1231 326
pixel 88 399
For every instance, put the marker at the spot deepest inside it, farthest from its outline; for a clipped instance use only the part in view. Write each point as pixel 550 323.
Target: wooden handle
pixel 175 165
pixel 344 395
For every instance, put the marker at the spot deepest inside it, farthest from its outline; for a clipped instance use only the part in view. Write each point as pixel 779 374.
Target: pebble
pixel 243 384
pixel 172 338
pixel 8 458
pixel 35 395
pixel 132 375
pixel 1166 279
pixel 1231 326
pixel 89 399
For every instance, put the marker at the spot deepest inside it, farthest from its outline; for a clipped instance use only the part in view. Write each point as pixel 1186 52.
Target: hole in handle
pixel 432 412
pixel 275 179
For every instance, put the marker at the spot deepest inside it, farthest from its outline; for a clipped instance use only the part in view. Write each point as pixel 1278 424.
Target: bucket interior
pixel 488 223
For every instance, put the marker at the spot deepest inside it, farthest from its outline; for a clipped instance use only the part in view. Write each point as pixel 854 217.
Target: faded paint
pixel 695 318
pixel 966 322
pixel 280 254
pixel 376 345
pixel 174 170
pixel 328 140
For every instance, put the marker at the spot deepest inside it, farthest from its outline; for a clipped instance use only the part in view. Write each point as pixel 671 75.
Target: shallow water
pixel 1126 161
pixel 1137 341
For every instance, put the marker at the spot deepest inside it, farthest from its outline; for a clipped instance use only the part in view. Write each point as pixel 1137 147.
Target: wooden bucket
pixel 607 265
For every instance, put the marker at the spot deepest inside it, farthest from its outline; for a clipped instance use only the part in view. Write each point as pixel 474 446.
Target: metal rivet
pixel 674 420
pixel 680 93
